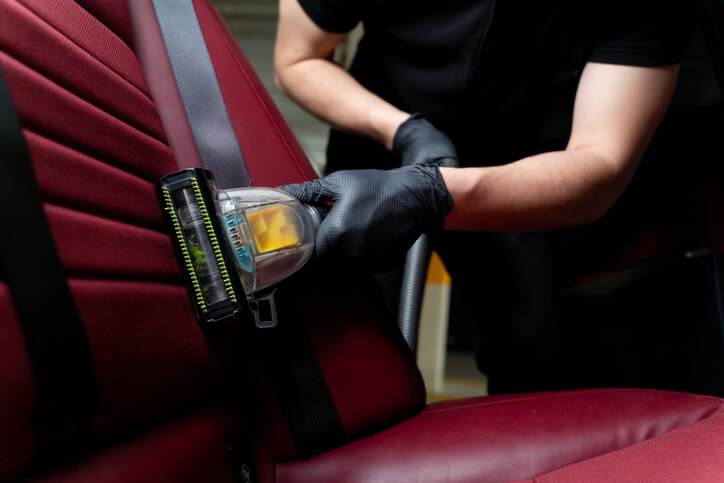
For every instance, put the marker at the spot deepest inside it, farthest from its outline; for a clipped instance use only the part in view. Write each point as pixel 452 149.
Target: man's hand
pixel 417 141
pixel 376 214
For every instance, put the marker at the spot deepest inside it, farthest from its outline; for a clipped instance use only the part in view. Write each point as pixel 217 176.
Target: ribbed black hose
pixel 413 287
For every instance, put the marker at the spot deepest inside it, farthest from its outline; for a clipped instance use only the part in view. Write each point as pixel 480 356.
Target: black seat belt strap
pixel 53 330
pixel 203 102
pixel 297 377
pixel 295 373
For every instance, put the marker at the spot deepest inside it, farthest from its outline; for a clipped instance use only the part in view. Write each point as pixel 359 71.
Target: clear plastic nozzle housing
pixel 270 232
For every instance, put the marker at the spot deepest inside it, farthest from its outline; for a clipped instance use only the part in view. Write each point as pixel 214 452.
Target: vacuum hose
pixel 413 287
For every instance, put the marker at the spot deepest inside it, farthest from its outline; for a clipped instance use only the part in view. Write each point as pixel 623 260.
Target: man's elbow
pixel 282 76
pixel 282 61
pixel 605 196
pixel 599 208
pixel 287 76
pixel 611 172
pixel 278 82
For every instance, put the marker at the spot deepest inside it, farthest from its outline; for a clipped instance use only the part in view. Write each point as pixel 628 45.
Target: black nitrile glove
pixel 417 141
pixel 377 214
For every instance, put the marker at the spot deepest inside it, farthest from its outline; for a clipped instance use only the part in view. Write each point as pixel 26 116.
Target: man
pixel 484 73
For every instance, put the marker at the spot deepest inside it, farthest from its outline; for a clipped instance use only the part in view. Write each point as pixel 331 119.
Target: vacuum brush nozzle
pixel 235 245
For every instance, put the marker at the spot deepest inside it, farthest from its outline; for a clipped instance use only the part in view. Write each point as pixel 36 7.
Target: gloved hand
pixel 417 141
pixel 377 214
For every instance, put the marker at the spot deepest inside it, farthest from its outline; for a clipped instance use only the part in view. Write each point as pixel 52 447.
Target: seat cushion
pixel 503 438
pixel 190 448
pixel 693 453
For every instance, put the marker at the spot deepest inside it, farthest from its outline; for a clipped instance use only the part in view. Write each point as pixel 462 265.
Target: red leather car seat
pixel 102 120
pixel 98 146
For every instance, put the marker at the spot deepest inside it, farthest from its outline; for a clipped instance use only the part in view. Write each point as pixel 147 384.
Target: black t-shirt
pixel 485 71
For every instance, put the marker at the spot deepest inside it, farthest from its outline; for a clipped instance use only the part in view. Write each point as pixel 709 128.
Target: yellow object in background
pixel 436 272
pixel 432 333
pixel 273 228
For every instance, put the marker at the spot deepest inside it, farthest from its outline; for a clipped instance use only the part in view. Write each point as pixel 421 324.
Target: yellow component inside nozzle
pixel 273 228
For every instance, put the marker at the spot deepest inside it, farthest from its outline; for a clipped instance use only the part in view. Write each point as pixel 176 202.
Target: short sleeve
pixel 642 32
pixel 334 15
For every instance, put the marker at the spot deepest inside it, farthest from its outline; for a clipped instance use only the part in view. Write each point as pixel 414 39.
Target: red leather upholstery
pixel 692 453
pixel 98 145
pixel 507 437
pixel 97 122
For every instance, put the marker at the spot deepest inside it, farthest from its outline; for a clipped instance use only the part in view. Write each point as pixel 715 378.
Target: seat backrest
pixel 100 116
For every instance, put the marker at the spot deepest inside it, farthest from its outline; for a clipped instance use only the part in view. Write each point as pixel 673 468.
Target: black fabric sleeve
pixel 642 32
pixel 337 16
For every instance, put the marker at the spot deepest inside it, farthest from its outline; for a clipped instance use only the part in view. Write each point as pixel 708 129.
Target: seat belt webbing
pixel 298 380
pixel 201 95
pixel 53 330
pixel 299 383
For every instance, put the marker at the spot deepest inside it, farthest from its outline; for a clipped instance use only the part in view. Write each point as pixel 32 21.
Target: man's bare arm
pixel 303 71
pixel 616 112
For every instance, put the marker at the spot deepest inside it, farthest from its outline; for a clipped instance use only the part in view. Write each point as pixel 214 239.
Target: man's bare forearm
pixel 542 192
pixel 304 72
pixel 330 93
pixel 616 113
